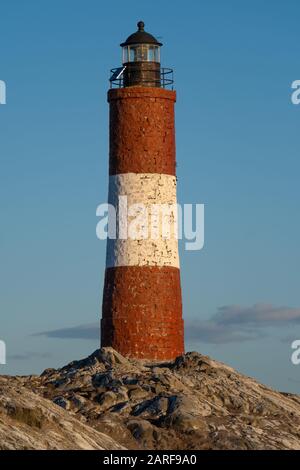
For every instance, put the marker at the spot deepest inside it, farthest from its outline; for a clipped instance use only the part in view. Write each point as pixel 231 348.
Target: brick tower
pixel 142 307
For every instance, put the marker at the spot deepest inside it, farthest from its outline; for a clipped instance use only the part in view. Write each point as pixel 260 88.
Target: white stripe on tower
pixel 157 244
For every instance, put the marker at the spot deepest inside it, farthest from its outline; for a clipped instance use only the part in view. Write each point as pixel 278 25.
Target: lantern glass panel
pixel 141 53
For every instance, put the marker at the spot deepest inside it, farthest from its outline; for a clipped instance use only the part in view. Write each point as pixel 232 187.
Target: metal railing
pixel 166 78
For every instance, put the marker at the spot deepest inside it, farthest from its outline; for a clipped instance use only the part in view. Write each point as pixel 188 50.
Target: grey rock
pixel 193 402
pixel 62 402
pixel 141 429
pixel 29 421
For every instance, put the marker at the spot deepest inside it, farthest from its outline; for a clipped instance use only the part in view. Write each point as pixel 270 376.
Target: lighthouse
pixel 142 303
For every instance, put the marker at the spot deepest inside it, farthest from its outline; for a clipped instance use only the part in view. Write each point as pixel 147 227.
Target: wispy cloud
pixel 259 314
pixel 234 323
pixel 230 324
pixel 88 331
pixel 212 332
pixel 26 356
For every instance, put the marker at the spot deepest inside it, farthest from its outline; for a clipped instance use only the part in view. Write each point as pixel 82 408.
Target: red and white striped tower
pixel 142 307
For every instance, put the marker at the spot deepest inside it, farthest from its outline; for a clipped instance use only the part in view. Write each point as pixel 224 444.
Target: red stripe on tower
pixel 142 307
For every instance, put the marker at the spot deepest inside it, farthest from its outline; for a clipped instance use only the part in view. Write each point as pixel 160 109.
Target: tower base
pixel 142 312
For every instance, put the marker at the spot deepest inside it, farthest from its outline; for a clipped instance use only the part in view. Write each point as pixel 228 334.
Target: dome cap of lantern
pixel 141 37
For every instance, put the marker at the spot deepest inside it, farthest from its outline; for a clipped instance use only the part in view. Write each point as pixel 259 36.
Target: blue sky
pixel 237 150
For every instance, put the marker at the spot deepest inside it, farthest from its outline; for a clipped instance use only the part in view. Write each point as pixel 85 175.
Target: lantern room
pixel 141 62
pixel 141 47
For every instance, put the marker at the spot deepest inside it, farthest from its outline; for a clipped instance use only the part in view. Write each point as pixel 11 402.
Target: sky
pixel 238 153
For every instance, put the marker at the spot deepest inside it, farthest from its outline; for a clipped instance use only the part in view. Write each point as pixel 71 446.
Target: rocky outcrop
pixel 28 421
pixel 106 400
